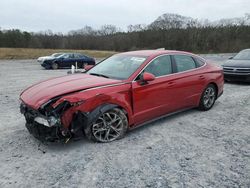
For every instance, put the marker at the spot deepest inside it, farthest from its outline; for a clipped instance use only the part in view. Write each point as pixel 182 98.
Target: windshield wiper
pixel 97 74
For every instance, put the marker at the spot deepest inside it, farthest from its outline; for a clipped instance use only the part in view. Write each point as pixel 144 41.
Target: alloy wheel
pixel 209 97
pixel 108 127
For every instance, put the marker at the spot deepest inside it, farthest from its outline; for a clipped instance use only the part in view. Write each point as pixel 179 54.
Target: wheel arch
pixel 83 119
pixel 105 107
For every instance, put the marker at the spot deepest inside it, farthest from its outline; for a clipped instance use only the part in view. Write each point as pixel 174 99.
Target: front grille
pixel 42 132
pixel 236 70
pixel 39 131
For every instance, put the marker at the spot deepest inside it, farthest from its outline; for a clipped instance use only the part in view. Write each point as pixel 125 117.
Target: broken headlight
pixel 51 121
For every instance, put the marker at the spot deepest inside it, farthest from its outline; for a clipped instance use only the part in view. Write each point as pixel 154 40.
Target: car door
pixel 156 97
pixel 72 60
pixel 66 61
pixel 189 80
pixel 78 60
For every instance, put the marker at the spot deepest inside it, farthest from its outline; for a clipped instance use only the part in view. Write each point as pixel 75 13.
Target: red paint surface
pixel 160 96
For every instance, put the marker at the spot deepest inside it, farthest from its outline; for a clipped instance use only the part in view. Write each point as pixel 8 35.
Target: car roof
pixel 73 53
pixel 154 52
pixel 245 50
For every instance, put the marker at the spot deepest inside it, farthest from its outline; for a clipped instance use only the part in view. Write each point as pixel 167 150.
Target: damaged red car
pixel 120 93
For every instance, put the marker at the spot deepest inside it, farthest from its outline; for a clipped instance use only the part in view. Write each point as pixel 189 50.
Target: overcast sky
pixel 66 15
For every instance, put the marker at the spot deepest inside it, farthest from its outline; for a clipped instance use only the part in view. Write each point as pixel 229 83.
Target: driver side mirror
pixel 147 77
pixel 231 57
pixel 87 67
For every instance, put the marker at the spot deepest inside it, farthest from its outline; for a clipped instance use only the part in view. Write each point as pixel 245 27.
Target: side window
pixel 78 56
pixel 71 55
pixel 66 56
pixel 160 66
pixel 199 62
pixel 184 63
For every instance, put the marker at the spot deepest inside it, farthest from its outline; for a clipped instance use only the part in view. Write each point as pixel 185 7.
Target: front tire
pixel 109 126
pixel 54 66
pixel 208 98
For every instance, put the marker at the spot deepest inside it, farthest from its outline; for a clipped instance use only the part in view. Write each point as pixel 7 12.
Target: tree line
pixel 174 35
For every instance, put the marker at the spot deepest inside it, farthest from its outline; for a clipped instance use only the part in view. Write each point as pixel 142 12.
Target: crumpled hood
pixel 237 63
pixel 41 92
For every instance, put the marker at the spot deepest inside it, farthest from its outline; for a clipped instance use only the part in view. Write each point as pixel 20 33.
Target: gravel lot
pixel 190 149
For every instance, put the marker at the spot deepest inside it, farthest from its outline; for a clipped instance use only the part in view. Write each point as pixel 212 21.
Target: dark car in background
pixel 66 60
pixel 43 58
pixel 237 68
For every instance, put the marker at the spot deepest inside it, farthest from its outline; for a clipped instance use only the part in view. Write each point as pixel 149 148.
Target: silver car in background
pixel 42 59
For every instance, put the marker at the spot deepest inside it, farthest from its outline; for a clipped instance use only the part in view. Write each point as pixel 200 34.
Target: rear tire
pixel 54 66
pixel 109 126
pixel 208 98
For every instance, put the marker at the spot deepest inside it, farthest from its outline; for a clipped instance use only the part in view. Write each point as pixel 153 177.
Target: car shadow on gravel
pixel 72 144
pixel 164 120
pixel 132 134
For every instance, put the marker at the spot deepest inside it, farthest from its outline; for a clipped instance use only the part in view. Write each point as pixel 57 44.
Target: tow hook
pixel 67 140
pixel 66 134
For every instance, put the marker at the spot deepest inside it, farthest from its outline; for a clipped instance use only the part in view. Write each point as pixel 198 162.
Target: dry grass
pixel 30 53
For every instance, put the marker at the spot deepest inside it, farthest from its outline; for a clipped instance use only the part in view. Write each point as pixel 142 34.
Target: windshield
pixel 118 66
pixel 64 56
pixel 243 55
pixel 56 54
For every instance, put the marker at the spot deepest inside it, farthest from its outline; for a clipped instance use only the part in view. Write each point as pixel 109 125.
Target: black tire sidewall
pixel 55 64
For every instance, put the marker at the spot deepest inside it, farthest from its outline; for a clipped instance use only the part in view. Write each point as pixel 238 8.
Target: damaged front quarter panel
pixel 69 115
pixel 77 105
pixel 87 105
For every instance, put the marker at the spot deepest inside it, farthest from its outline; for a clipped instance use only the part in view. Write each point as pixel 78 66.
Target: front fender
pixel 81 120
pixel 90 100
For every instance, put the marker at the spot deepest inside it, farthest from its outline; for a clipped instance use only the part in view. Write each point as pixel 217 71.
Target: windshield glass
pixel 64 55
pixel 118 66
pixel 56 54
pixel 243 55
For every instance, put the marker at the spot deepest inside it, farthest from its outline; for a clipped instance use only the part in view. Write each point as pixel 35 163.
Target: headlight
pixel 42 121
pixel 52 120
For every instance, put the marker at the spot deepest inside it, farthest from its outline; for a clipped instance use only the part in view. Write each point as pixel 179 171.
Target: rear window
pixel 184 63
pixel 160 66
pixel 199 62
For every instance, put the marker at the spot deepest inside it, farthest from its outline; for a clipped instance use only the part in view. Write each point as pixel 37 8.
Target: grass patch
pixel 31 53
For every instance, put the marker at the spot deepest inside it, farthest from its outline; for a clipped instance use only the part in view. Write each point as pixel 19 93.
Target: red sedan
pixel 120 93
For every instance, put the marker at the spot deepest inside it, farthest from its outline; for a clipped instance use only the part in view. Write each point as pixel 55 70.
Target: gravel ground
pixel 190 149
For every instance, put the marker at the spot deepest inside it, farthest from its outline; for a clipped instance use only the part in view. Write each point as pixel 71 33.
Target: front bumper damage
pixel 41 128
pixel 44 133
pixel 61 120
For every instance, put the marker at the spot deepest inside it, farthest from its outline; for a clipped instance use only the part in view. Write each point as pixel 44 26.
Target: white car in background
pixel 41 59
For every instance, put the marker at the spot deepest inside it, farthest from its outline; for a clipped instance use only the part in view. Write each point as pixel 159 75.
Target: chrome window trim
pixel 205 63
pixel 236 68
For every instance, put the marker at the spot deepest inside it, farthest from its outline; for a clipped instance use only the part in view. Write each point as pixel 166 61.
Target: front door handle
pixel 201 77
pixel 171 84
